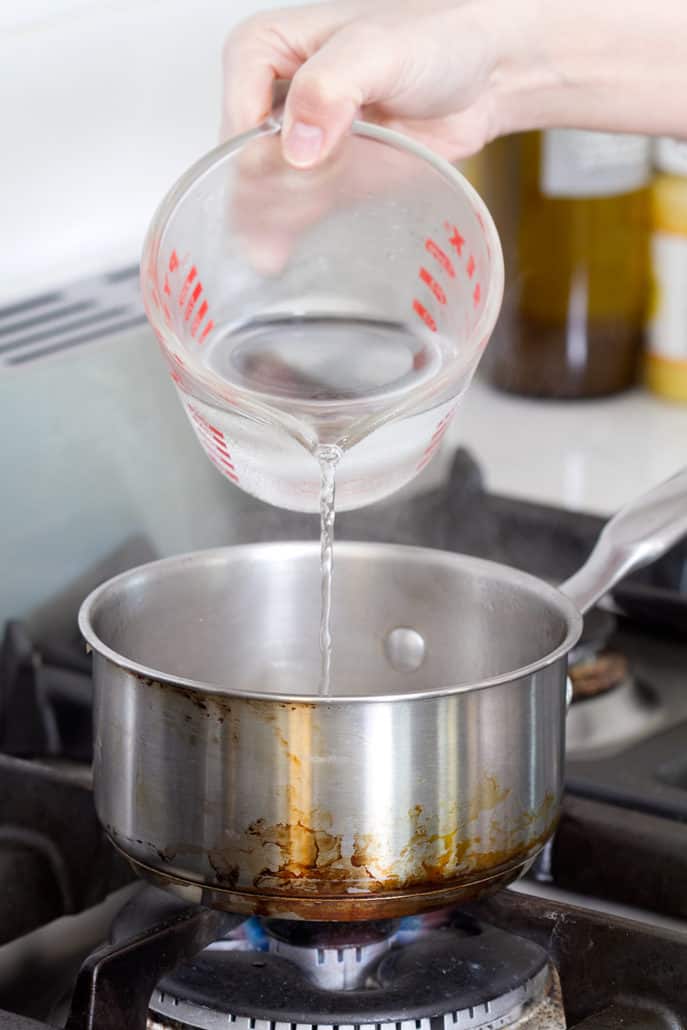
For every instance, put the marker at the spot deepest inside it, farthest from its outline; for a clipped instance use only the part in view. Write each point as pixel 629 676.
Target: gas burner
pixel 334 956
pixel 463 975
pixel 610 708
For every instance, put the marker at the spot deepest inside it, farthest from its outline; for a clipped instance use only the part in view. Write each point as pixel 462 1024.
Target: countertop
pixel 591 456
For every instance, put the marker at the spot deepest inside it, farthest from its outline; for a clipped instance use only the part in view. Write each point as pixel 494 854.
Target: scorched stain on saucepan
pixel 306 856
pixel 227 873
pixel 469 846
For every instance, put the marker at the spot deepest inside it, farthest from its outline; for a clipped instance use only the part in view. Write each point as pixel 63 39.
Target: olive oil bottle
pixel 582 266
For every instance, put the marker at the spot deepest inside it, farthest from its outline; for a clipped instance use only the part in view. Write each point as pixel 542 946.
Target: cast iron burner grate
pixel 447 973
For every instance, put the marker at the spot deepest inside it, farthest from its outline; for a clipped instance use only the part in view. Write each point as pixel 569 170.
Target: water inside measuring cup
pixel 325 359
pixel 323 370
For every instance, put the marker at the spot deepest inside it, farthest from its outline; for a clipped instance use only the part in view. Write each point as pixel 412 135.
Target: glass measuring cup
pixel 344 307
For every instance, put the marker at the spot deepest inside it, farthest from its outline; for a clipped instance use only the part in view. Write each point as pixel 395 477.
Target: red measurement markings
pixel 189 297
pixel 225 466
pixel 424 314
pixel 476 295
pixel 215 444
pixel 210 325
pixel 193 301
pixel 200 315
pixel 436 439
pixel 436 288
pixel 455 239
pixel 192 273
pixel 441 256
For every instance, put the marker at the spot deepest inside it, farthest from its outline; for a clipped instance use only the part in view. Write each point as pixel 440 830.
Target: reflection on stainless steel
pixel 391 796
pixel 405 649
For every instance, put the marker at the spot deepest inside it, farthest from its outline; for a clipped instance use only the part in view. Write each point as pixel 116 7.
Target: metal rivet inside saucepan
pixel 405 649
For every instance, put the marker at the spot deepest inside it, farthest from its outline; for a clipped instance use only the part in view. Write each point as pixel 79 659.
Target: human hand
pixel 457 73
pixel 432 70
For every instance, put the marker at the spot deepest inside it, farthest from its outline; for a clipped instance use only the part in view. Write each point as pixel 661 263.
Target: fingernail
pixel 303 144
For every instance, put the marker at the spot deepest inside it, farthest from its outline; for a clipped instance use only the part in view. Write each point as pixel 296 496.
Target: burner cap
pixel 468 974
pixel 303 934
pixel 335 956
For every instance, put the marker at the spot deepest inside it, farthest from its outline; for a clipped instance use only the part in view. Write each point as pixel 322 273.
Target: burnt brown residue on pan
pixel 306 861
pixel 220 705
pixel 227 873
pixel 306 852
pixel 209 704
pixel 306 857
pixel 341 907
pixel 325 884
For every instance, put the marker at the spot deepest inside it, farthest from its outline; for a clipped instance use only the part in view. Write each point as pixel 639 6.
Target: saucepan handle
pixel 638 535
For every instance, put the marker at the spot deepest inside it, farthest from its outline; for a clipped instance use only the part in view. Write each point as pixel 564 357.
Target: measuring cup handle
pixel 638 535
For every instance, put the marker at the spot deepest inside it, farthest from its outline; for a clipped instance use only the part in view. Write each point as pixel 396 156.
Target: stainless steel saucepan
pixel 432 774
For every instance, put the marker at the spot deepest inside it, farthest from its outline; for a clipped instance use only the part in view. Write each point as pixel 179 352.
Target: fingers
pixel 273 45
pixel 253 59
pixel 355 66
pixel 351 55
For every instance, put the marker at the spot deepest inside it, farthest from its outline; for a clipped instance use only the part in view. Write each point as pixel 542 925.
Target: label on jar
pixel 593 164
pixel 671 156
pixel 668 325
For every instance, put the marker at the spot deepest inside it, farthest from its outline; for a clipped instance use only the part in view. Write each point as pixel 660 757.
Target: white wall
pixel 102 105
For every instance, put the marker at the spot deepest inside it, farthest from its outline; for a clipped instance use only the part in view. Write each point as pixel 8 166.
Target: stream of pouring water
pixel 324 377
pixel 328 458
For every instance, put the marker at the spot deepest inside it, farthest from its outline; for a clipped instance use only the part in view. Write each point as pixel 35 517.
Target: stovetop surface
pixel 612 973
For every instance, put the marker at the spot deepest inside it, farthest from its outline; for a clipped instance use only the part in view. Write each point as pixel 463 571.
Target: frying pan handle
pixel 638 535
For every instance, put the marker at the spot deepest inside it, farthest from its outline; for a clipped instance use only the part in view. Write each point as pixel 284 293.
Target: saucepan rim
pixel 292 549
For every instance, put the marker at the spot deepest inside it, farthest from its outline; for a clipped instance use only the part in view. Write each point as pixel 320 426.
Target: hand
pixel 429 68
pixel 457 73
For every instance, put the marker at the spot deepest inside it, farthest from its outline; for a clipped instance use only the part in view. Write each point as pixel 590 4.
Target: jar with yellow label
pixel 666 358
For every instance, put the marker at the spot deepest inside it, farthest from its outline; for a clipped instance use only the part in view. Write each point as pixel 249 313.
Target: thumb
pixel 356 66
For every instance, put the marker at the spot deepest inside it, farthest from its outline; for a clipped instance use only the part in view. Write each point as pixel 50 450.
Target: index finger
pixel 272 45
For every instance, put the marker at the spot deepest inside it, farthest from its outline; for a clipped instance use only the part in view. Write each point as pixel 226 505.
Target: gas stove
pixel 595 937
pixel 271 975
pixel 508 961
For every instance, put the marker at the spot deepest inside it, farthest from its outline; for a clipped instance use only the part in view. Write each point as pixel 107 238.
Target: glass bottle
pixel 582 266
